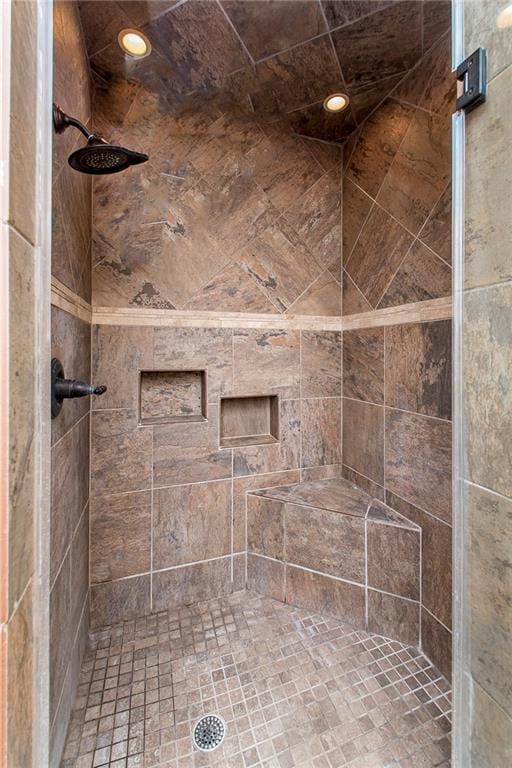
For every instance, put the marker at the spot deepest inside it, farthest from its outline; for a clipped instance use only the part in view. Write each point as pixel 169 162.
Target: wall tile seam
pixel 484 488
pixel 71 428
pixel 436 619
pixel 502 71
pixel 13 229
pixel 18 602
pixel 178 567
pixel 394 408
pixel 426 512
pixel 475 289
pixel 72 539
pixel 478 684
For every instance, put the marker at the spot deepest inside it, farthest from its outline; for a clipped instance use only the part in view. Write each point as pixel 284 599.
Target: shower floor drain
pixel 209 733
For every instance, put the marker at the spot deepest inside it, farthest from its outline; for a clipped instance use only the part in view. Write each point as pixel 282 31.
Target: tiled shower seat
pixel 328 546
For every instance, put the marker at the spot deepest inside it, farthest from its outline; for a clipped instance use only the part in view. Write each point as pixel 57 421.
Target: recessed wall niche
pixel 172 396
pixel 251 420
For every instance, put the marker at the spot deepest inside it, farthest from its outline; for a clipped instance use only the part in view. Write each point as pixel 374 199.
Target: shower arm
pixel 61 121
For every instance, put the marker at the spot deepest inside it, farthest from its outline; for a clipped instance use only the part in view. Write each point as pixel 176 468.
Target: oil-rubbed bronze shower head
pixel 98 157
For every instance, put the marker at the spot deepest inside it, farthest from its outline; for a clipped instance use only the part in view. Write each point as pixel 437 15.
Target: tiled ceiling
pixel 275 58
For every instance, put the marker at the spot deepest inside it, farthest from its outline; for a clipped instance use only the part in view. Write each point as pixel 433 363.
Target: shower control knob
pixel 62 388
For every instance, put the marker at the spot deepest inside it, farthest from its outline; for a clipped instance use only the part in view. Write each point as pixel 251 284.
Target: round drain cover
pixel 209 733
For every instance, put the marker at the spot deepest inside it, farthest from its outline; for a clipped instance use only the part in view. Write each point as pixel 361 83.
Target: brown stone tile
pixel 328 155
pixel 363 364
pixel 191 522
pixel 393 617
pixel 189 349
pixel 372 489
pixel 421 276
pixel 326 472
pixel 102 24
pixel 71 343
pixel 363 439
pixel 122 600
pixel 287 81
pixel 382 44
pixel 313 121
pixel 436 21
pixel 490 524
pixel 418 461
pixel 378 253
pixel 266 362
pixel 487 366
pixel 436 559
pixel 323 593
pixel 333 494
pixel 234 290
pixel 353 300
pixel 377 145
pixel 280 264
pixel 367 97
pixel 189 452
pixel 356 207
pixel 436 642
pixel 79 573
pixel 120 535
pixel 491 737
pixel 140 12
pixel 338 14
pixel 172 396
pixel 269 28
pixel 320 363
pixel 241 486
pixel 379 512
pixel 418 368
pixel 419 173
pixel 488 228
pixel 431 85
pixel 61 632
pixel 323 297
pixel 316 217
pixel 265 527
pixel 325 541
pixel 239 572
pixel 261 459
pixel 402 575
pixel 437 230
pixel 321 431
pixel 118 354
pixel 191 583
pixel 20 662
pixel 481 28
pixel 266 577
pixel 120 453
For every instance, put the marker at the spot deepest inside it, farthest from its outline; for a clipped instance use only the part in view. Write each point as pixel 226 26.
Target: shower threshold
pixel 293 688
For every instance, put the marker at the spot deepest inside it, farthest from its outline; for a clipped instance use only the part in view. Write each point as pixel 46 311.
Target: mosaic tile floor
pixel 295 689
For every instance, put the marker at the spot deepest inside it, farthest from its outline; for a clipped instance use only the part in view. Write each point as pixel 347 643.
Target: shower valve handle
pixel 63 389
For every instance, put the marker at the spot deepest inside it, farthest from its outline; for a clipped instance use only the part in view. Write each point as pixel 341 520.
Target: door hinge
pixel 472 73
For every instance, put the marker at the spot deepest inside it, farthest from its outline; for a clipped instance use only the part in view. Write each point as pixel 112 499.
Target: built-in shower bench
pixel 328 546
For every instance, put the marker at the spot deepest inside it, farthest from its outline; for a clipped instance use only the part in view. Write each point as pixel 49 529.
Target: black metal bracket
pixel 472 73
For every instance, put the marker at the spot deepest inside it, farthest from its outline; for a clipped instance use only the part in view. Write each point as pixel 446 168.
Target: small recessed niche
pixel 172 396
pixel 248 420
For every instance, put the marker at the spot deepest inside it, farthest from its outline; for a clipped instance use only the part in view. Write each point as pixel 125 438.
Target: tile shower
pixel 230 309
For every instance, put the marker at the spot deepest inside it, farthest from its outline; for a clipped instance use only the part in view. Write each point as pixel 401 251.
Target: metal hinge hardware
pixel 472 73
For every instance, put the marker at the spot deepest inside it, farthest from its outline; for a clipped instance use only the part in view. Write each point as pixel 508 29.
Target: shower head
pixel 98 156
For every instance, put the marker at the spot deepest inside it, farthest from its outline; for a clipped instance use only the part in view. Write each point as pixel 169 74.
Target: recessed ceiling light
pixel 134 43
pixel 504 19
pixel 336 102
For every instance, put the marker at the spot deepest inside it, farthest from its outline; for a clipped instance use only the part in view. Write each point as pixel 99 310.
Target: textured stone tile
pixel 266 362
pixel 266 576
pixel 363 364
pixel 314 121
pixel 487 387
pixel 402 575
pixel 321 431
pixel 385 43
pixel 325 541
pixel 191 583
pixel 418 368
pixel 418 461
pixel 377 145
pixel 331 596
pixel 261 459
pixel 189 452
pixel 60 630
pixel 118 354
pixel 316 217
pixel 338 14
pixel 172 396
pixel 280 264
pixel 120 453
pixel 235 291
pixel 366 98
pixel 431 86
pixel 436 21
pixel 334 494
pixel 436 643
pixel 115 601
pixel 79 574
pixel 326 472
pixel 20 661
pixel 120 535
pixel 490 525
pixel 488 228
pixel 101 27
pixel 378 253
pixel 191 522
pixel 197 349
pixel 368 486
pixel 328 155
pixel 393 617
pixel 481 28
pixel 320 363
pixel 491 738
pixel 140 12
pixel 419 173
pixel 241 486
pixel 269 28
pixel 437 230
pixel 363 439
pixel 323 297
pixel 353 300
pixel 436 559
pixel 265 527
pixel 421 276
pixel 356 207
